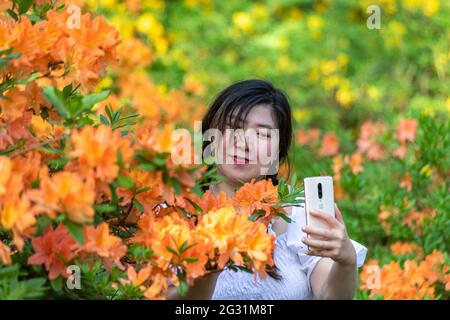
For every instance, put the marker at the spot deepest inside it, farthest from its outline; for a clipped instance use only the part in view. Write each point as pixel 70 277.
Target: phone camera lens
pixel 319 189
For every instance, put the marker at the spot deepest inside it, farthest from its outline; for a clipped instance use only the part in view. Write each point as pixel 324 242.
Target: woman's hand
pixel 333 242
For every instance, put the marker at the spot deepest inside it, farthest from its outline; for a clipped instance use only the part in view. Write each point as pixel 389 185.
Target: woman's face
pixel 248 151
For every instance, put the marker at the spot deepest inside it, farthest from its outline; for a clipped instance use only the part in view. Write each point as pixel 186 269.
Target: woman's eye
pixel 263 134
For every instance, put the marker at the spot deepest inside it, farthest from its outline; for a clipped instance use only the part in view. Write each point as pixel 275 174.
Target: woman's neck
pixel 229 188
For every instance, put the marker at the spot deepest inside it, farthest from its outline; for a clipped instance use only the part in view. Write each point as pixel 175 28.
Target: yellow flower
pixel 426 170
pixel 107 3
pixel 329 67
pixel 373 92
pixel 396 30
pixel 342 59
pixel 448 104
pixel 285 64
pixel 243 21
pixel 149 25
pixel 260 11
pixel 345 95
pixel 430 7
pixel 314 24
pixel 153 5
pixel 126 29
pixel 301 114
pixel 412 4
pixel 331 82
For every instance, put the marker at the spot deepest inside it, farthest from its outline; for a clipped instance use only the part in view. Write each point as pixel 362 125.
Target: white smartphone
pixel 319 196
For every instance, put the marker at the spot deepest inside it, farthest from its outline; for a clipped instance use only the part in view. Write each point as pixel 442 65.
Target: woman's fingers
pixel 339 216
pixel 319 244
pixel 325 233
pixel 321 253
pixel 331 221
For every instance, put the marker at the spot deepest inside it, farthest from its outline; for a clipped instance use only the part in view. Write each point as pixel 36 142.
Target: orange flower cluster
pixel 234 236
pixel 65 192
pixel 219 235
pixel 96 151
pixel 413 280
pixel 406 248
pixel 16 215
pixel 99 241
pixel 56 248
pixel 413 219
pixel 406 132
pixel 67 46
pixel 367 142
pixel 66 174
pixel 260 195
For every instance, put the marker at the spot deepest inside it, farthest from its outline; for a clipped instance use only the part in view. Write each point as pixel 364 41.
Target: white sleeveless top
pixel 294 266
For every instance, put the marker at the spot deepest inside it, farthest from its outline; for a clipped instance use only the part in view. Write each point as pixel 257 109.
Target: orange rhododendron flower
pixel 330 145
pixel 367 141
pixel 406 182
pixel 97 150
pixel 400 152
pixel 43 129
pixel 260 195
pixel 408 248
pixel 413 281
pixel 233 234
pixel 209 201
pixel 308 137
pixel 65 192
pixel 5 173
pixel 55 248
pixel 174 242
pixel 98 240
pixel 355 162
pixel 5 254
pixel 137 278
pixel 406 130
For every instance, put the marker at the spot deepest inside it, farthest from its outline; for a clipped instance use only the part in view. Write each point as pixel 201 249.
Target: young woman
pixel 305 268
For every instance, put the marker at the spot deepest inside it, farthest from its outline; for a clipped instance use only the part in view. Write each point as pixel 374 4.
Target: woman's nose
pixel 241 140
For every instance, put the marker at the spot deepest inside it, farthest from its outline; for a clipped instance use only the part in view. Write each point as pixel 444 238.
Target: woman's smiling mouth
pixel 239 160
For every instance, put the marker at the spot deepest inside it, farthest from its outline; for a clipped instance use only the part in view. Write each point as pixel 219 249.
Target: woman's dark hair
pixel 238 99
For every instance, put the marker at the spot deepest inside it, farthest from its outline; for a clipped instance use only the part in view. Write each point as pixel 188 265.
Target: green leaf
pixel 171 250
pixel 24 6
pixel 196 206
pixel 105 208
pixel 284 217
pixel 12 14
pixel 57 284
pixel 176 186
pixel 192 259
pixel 89 101
pixel 144 189
pixel 55 97
pixel 146 167
pixel 138 205
pixel 183 287
pixel 125 182
pixel 76 230
pixel 185 246
pixel 104 120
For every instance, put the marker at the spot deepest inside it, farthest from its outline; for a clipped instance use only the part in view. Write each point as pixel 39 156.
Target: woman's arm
pixel 331 280
pixel 335 275
pixel 202 289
